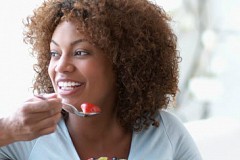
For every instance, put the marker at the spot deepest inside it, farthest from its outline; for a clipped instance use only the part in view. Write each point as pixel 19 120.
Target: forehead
pixel 66 29
pixel 67 33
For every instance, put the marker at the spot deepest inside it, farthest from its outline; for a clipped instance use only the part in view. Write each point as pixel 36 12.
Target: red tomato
pixel 89 108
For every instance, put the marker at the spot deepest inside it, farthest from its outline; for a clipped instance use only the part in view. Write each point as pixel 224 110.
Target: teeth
pixel 68 84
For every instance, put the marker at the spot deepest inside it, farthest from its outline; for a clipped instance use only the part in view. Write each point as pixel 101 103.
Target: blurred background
pixel 208 34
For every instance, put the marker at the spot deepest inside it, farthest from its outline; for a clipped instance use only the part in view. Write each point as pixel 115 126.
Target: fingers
pixel 50 122
pixel 35 118
pixel 38 115
pixel 47 96
pixel 29 127
pixel 49 105
pixel 33 112
pixel 46 126
pixel 42 97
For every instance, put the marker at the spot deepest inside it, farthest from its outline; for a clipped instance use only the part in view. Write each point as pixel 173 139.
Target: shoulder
pixel 173 127
pixel 167 118
pixel 170 140
pixel 171 123
pixel 182 143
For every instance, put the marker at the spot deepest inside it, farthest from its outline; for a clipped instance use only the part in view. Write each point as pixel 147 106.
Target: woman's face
pixel 79 71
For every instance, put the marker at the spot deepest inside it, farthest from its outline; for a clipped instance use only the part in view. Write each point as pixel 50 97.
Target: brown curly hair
pixel 137 37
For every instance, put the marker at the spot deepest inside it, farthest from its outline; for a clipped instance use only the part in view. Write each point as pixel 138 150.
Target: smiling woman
pixel 117 54
pixel 75 60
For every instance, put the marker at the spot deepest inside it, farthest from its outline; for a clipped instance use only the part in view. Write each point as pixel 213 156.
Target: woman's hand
pixel 35 118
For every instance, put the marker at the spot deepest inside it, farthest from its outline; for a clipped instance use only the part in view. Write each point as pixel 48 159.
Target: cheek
pixel 104 76
pixel 99 68
pixel 91 71
pixel 98 72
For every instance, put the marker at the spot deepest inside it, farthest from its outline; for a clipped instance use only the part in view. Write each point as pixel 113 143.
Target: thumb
pixel 46 96
pixel 49 95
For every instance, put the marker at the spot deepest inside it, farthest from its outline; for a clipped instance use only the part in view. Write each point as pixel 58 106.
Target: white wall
pixel 15 61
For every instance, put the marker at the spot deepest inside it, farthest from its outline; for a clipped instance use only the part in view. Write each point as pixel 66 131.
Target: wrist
pixel 5 133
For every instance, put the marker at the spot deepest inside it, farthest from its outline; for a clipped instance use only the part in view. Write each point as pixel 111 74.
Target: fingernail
pixel 40 96
pixel 49 95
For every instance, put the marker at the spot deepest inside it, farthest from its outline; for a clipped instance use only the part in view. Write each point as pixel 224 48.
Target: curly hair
pixel 136 36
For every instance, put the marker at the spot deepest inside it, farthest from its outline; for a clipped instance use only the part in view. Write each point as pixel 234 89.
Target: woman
pixel 117 54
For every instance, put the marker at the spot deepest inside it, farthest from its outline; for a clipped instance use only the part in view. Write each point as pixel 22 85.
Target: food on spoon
pixel 106 158
pixel 90 108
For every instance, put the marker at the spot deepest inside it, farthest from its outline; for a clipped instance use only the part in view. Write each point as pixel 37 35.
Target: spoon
pixel 72 109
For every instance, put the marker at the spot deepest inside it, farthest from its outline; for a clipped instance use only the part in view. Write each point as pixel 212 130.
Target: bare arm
pixel 35 118
pixel 5 138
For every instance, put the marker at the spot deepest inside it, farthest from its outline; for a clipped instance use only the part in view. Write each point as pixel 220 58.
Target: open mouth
pixel 68 85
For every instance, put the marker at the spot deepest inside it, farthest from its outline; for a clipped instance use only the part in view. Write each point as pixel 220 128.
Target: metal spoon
pixel 71 109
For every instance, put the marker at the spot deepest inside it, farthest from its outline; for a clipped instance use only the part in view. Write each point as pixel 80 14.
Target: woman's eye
pixel 81 53
pixel 53 54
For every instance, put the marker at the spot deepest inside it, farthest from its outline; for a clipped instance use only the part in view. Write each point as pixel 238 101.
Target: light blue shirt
pixel 170 141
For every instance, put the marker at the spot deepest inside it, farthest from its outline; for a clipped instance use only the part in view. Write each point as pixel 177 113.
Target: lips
pixel 66 87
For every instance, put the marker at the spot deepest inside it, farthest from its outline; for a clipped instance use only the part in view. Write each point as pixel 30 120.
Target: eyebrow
pixel 72 43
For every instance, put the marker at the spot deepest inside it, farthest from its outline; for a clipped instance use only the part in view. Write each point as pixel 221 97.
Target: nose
pixel 64 64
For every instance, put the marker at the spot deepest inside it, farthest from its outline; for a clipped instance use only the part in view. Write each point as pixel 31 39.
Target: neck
pixel 97 136
pixel 92 127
